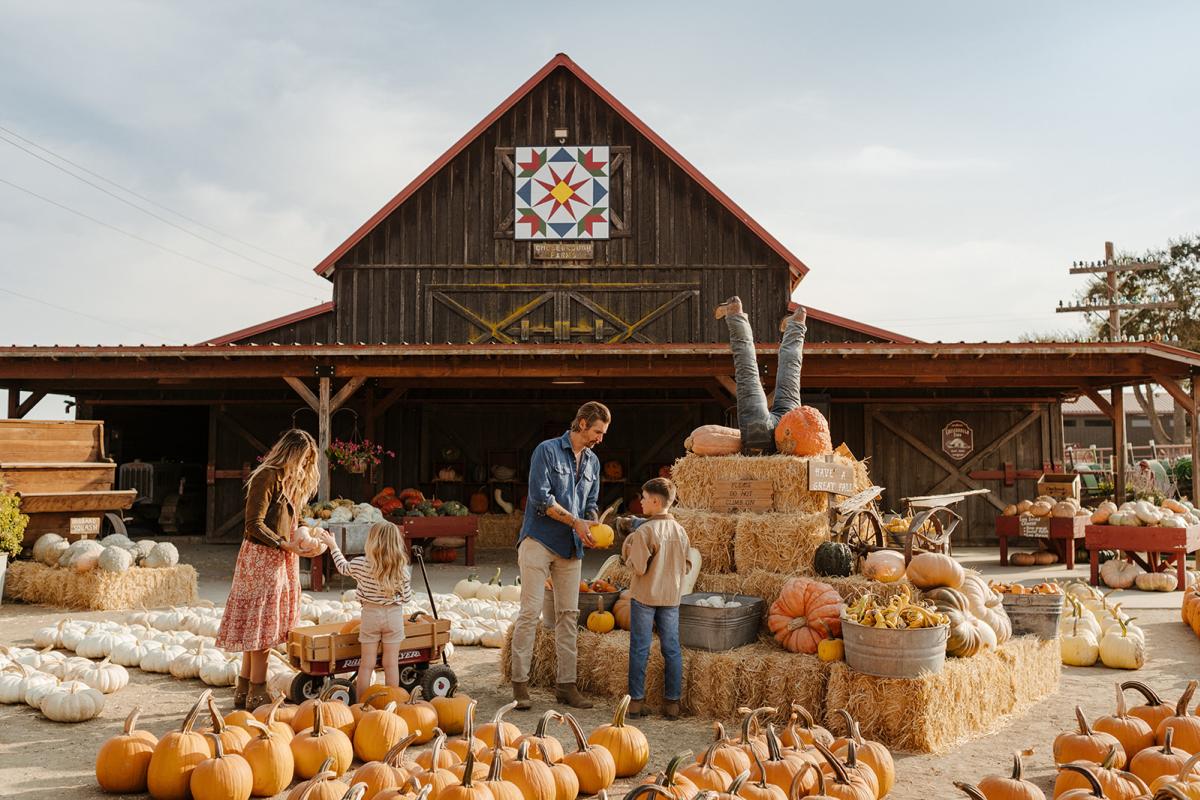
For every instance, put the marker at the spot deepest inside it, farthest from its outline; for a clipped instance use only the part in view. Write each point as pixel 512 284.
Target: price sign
pixel 732 496
pixel 84 526
pixel 1035 527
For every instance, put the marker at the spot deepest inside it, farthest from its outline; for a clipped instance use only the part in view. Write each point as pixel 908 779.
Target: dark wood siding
pixel 314 330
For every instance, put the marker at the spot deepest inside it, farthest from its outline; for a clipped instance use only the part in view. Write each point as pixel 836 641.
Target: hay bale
pixel 617 574
pixel 498 531
pixel 778 542
pixel 934 713
pixel 712 534
pixel 98 590
pixel 695 477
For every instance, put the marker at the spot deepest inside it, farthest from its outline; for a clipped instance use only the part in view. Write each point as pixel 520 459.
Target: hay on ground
pixel 695 477
pixel 98 590
pixel 712 534
pixel 934 713
pixel 498 531
pixel 778 542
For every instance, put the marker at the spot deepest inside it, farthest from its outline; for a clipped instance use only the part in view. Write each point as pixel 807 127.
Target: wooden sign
pixel 958 439
pixel 729 496
pixel 830 476
pixel 84 526
pixel 1035 527
pixel 564 251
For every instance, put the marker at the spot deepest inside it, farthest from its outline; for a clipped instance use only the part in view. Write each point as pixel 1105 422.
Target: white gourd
pixel 1118 573
pixel 116 540
pixel 38 659
pixel 81 556
pixel 35 685
pixel 114 559
pixel 468 587
pixel 50 636
pixel 221 672
pixel 187 664
pixel 65 670
pixel 129 653
pixel 73 701
pixel 159 660
pixel 1119 650
pixel 144 546
pixel 161 555
pixel 12 684
pixel 99 644
pixel 105 677
pixel 511 593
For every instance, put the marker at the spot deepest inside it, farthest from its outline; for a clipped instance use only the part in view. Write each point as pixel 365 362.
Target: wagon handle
pixel 418 553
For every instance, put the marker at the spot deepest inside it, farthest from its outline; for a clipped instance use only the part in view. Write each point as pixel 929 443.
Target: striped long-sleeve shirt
pixel 367 589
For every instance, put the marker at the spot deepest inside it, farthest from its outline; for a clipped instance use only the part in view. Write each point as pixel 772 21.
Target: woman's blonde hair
pixel 387 557
pixel 295 455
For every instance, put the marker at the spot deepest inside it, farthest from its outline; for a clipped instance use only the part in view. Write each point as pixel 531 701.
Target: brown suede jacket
pixel 269 514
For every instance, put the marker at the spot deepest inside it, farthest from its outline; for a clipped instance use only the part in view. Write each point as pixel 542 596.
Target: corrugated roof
pixel 1084 406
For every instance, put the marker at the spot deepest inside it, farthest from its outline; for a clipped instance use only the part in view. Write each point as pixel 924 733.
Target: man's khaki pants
pixel 537 563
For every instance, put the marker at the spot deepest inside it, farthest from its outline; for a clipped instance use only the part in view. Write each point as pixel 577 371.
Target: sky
pixel 937 165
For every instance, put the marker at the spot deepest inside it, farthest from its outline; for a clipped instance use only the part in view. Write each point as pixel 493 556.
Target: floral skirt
pixel 264 600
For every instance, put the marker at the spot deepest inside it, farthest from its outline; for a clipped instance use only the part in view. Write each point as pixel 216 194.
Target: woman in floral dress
pixel 264 600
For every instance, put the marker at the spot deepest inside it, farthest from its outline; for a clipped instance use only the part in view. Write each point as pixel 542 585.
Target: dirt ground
pixel 41 759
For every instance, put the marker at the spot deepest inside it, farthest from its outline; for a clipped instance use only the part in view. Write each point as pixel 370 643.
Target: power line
pixel 83 314
pixel 162 247
pixel 154 203
pixel 149 213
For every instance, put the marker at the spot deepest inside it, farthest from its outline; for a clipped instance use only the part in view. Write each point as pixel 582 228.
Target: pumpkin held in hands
pixel 803 431
pixel 603 535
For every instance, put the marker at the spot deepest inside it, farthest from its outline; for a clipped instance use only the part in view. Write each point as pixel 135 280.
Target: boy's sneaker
pixel 637 708
pixel 671 709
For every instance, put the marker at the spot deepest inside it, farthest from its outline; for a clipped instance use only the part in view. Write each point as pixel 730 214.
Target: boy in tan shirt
pixel 657 555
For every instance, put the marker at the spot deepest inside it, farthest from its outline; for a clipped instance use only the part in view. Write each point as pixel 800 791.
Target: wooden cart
pixel 859 524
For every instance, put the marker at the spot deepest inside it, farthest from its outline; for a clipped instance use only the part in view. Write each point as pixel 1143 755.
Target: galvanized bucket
pixel 587 604
pixel 894 653
pixel 1034 614
pixel 716 629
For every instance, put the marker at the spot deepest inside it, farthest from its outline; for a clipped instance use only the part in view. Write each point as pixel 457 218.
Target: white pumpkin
pixel 1117 573
pixel 159 660
pixel 187 664
pixel 99 644
pixel 884 565
pixel 161 555
pixel 38 659
pixel 114 559
pixel 1157 581
pixel 105 676
pixel 81 556
pixel 129 653
pixel 143 547
pixel 492 639
pixel 221 672
pixel 1078 649
pixel 166 620
pixel 73 701
pixel 1120 650
pixel 468 587
pixel 50 636
pixel 511 593
pixel 35 685
pixel 117 540
pixel 334 615
pixel 65 670
pixel 12 684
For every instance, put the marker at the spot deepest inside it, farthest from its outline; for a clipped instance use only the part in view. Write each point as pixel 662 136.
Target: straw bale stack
pixel 934 713
pixel 498 531
pixel 712 534
pixel 98 590
pixel 778 542
pixel 695 477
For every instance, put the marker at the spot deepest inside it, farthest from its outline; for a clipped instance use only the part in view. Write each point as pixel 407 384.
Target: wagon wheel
pixel 942 521
pixel 862 532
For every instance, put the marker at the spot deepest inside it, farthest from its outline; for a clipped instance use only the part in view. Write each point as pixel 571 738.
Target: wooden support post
pixel 14 402
pixel 210 478
pixel 1118 407
pixel 1195 440
pixel 323 414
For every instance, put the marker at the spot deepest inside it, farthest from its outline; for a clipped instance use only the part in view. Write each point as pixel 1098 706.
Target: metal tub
pixel 587 604
pixel 1034 614
pixel 888 653
pixel 715 629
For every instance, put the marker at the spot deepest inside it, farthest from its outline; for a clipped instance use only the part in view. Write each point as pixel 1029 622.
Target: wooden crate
pixel 58 442
pixel 324 643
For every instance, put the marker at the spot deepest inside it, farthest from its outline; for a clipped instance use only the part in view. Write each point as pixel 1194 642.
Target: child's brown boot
pixel 240 691
pixel 671 709
pixel 257 696
pixel 636 709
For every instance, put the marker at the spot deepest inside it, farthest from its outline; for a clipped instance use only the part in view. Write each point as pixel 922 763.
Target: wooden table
pixel 1164 548
pixel 1060 533
pixel 413 529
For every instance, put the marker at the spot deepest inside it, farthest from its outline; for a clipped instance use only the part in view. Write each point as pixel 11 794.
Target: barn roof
pixel 795 265
pixel 272 324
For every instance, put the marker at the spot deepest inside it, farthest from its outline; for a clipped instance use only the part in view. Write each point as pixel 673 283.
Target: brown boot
pixel 671 709
pixel 257 696
pixel 637 708
pixel 567 694
pixel 799 315
pixel 240 691
pixel 731 306
pixel 521 696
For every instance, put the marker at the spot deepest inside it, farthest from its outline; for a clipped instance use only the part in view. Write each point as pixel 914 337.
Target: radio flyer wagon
pixel 323 652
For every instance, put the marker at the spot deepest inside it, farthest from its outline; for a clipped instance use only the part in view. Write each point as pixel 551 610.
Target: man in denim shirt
pixel 564 494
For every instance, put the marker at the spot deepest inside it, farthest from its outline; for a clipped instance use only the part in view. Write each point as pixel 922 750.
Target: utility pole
pixel 1111 268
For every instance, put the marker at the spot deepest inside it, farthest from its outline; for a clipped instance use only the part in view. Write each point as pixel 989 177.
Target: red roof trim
pixel 797 267
pixel 854 325
pixel 271 324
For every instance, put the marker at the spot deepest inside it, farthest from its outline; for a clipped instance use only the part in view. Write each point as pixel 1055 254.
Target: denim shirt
pixel 553 479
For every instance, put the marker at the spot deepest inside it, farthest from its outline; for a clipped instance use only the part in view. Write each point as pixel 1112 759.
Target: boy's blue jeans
pixel 642 621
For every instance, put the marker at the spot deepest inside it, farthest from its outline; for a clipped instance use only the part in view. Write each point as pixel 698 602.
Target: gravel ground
pixel 41 759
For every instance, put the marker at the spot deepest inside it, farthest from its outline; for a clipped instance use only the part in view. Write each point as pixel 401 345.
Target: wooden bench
pixel 1165 548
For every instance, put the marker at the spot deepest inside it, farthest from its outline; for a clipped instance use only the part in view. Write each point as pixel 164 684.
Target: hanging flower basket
pixel 356 457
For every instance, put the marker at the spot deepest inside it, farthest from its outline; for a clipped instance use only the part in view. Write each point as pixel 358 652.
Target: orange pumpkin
pixel 803 431
pixel 420 716
pixel 532 777
pixel 705 774
pixel 508 733
pixel 781 768
pixel 542 746
pixel 622 610
pixel 233 738
pixel 727 755
pixel 1134 733
pixel 467 741
pixel 1085 744
pixel 857 773
pixel 1154 762
pixel 803 732
pixel 123 760
pixel 451 712
pixel 1014 787
pixel 806 612
pixel 1184 724
pixel 1154 710
pixel 627 744
pixel 1081 780
pixel 176 756
pixel 677 785
pixel 592 763
pixel 871 753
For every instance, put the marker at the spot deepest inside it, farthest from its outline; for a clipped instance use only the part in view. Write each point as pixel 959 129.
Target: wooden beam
pixel 1118 420
pixel 729 385
pixel 1105 407
pixel 391 398
pixel 305 393
pixel 1176 391
pixel 323 425
pixel 210 499
pixel 14 402
pixel 1195 437
pixel 241 431
pixel 345 393
pixel 22 407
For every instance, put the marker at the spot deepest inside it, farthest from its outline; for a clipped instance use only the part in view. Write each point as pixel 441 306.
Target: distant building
pixel 1084 425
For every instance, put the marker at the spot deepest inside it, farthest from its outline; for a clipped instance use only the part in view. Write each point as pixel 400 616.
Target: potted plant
pixel 356 456
pixel 12 531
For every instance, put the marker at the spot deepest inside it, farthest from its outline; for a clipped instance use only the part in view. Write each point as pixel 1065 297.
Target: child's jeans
pixel 643 620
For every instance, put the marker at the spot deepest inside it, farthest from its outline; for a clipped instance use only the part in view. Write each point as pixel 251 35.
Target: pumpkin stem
pixel 355 792
pixel 540 730
pixel 318 723
pixel 751 718
pixel 706 758
pixel 646 788
pixel 794 789
pixel 735 786
pixel 131 720
pixel 1166 748
pixel 853 732
pixel 1187 767
pixel 1122 709
pixel 523 751
pixel 498 736
pixel 422 791
pixel 580 739
pixel 1018 769
pixel 263 731
pixel 190 719
pixel 1110 759
pixel 470 770
pixel 1084 728
pixel 619 714
pixel 839 770
pixel 773 751
pixel 970 790
pixel 674 764
pixel 545 755
pixel 390 708
pixel 804 714
pixel 218 722
pixel 496 771
pixel 1170 792
pixel 275 704
pixel 468 732
pixel 719 733
pixel 217 746
pixel 1185 699
pixel 327 694
pixel 1152 698
pixel 1088 775
pixel 762 770
pixel 391 758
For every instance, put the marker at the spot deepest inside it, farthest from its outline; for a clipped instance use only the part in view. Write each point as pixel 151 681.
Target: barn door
pixel 938 449
pixel 236 439
pixel 549 313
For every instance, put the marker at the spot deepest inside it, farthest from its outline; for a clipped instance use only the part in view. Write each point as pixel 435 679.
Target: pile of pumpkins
pixel 1117 573
pixel 1136 513
pixel 113 553
pixel 1092 631
pixel 63 689
pixel 330 747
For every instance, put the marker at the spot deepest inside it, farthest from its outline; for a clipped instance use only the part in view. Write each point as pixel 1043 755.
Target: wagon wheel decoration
pixel 930 532
pixel 861 531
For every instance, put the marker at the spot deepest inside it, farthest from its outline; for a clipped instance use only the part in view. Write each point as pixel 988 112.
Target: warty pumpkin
pixel 806 612
pixel 270 758
pixel 176 755
pixel 532 777
pixel 1186 725
pixel 676 784
pixel 803 431
pixel 552 748
pixel 1134 733
pixel 420 716
pixel 224 776
pixel 628 745
pixel 998 787
pixel 313 745
pixel 377 732
pixel 1154 711
pixel 451 712
pixel 1154 762
pixel 873 754
pixel 706 775
pixel 932 570
pixel 1086 744
pixel 1114 783
pixel 123 760
pixel 592 763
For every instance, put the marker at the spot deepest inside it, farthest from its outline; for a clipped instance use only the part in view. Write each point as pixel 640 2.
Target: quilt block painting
pixel 562 192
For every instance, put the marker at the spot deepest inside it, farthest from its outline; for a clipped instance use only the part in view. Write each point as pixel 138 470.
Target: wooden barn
pixel 466 324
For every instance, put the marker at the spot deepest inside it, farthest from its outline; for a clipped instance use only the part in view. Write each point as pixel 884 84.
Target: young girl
pixel 382 578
